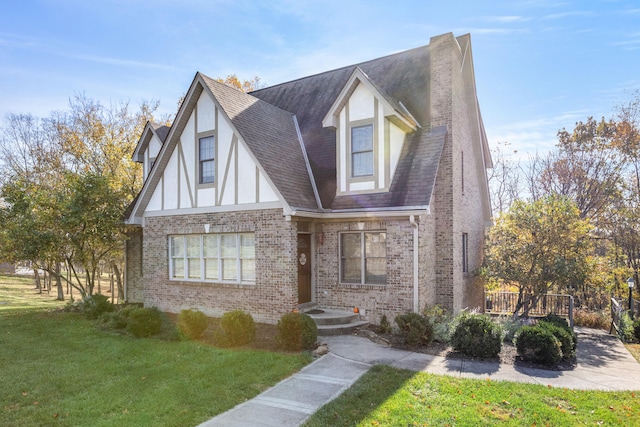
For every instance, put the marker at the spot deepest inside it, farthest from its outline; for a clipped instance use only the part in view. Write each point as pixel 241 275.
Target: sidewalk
pixel 603 363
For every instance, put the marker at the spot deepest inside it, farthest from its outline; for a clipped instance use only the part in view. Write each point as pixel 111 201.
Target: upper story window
pixel 206 152
pixel 362 151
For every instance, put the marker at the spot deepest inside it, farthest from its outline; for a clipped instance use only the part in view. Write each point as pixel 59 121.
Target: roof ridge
pixel 357 65
pixel 241 93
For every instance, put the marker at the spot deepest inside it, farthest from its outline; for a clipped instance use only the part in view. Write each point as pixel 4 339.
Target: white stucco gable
pixel 370 132
pixel 204 141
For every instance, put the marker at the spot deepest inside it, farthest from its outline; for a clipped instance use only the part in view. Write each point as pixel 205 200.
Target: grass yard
pixel 386 396
pixel 18 292
pixel 58 369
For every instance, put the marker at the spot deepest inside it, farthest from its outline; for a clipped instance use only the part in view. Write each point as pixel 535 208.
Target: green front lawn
pixel 58 369
pixel 385 396
pixel 17 292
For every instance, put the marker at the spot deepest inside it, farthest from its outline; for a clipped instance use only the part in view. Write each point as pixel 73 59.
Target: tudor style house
pixel 364 186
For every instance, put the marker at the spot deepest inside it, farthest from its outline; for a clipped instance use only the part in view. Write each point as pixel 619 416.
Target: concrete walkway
pixel 604 363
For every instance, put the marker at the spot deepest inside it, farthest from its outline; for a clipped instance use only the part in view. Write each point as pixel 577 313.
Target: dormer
pixel 149 146
pixel 370 131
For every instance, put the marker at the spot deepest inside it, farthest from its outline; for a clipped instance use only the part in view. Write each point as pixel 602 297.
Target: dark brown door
pixel 304 268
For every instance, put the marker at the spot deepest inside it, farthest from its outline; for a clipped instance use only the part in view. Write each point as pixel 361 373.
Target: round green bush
pixel 416 329
pixel 539 345
pixel 238 328
pixel 144 322
pixel 566 337
pixel 117 319
pixel 477 335
pixel 296 332
pixel 94 305
pixel 556 320
pixel 192 323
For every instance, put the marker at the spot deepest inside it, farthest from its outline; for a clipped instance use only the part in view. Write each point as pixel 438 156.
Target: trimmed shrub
pixel 556 320
pixel 94 305
pixel 117 319
pixel 415 328
pixel 440 321
pixel 296 332
pixel 591 319
pixel 192 323
pixel 477 335
pixel 385 326
pixel 539 345
pixel 237 329
pixel 566 337
pixel 144 322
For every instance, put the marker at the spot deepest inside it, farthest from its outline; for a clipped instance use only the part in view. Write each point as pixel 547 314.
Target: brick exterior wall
pixel 374 300
pixel 275 291
pixel 457 207
pixel 133 267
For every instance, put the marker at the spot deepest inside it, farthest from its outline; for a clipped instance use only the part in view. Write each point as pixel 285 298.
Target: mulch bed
pixel 266 340
pixel 508 353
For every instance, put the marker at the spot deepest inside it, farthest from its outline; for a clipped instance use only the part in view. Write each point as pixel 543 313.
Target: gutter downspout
pixel 414 225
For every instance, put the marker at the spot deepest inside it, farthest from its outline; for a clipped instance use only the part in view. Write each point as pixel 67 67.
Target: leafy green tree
pixel 66 181
pixel 538 246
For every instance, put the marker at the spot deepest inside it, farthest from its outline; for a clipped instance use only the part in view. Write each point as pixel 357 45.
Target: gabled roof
pixel 402 79
pixel 287 129
pixel 150 129
pixel 270 133
pixel 394 109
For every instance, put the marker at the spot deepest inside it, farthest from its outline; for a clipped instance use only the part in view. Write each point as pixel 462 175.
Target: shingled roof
pixel 271 135
pixel 405 79
pixel 283 128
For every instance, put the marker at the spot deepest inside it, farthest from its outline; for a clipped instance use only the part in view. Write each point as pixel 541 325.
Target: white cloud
pixel 118 61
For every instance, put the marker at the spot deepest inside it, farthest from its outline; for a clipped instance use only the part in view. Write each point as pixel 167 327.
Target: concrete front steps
pixel 335 322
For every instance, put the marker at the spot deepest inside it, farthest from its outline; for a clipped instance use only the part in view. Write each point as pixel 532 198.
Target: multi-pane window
pixel 206 151
pixel 363 257
pixel 362 151
pixel 228 257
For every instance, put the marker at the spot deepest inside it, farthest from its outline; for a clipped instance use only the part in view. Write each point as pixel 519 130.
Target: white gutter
pixel 369 213
pixel 414 225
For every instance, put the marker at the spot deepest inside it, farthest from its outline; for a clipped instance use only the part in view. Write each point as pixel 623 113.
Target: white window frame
pixel 363 257
pixel 189 276
pixel 203 161
pixel 353 153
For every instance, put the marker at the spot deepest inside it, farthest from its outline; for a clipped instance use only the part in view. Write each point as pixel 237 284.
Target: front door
pixel 304 268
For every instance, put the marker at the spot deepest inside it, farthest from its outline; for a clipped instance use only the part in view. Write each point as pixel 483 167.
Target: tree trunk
pixel 59 283
pixel 119 282
pixel 36 276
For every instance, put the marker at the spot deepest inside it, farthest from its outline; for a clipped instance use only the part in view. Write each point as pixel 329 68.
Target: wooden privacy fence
pixel 506 302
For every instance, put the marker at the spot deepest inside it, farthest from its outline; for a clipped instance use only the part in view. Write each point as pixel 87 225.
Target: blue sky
pixel 540 65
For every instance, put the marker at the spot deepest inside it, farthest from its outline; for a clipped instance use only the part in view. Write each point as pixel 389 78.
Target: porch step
pixel 336 322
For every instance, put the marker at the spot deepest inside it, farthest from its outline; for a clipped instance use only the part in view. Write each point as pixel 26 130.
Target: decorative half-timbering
pixel 362 187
